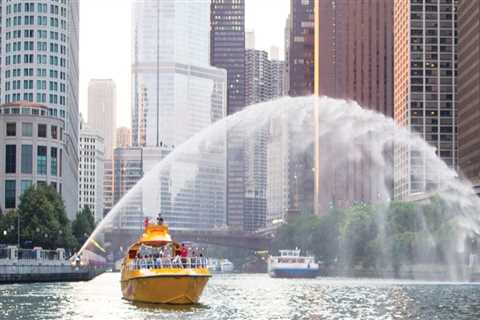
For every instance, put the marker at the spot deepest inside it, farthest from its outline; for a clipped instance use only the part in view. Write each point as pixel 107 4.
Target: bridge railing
pixel 168 263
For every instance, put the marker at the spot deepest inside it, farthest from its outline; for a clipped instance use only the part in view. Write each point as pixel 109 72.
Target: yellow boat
pixel 152 272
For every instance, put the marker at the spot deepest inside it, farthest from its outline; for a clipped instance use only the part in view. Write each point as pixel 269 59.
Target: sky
pixel 105 43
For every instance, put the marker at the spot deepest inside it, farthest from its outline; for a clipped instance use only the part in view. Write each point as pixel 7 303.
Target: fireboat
pixel 158 270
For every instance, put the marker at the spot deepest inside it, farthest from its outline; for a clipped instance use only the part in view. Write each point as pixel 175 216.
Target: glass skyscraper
pixel 425 69
pixel 176 94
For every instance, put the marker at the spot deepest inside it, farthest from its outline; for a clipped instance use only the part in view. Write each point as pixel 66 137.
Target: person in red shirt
pixel 184 255
pixel 183 251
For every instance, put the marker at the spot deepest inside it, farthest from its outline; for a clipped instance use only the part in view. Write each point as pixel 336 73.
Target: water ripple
pixel 249 297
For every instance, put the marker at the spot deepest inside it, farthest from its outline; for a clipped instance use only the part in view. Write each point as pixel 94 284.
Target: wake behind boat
pixel 156 270
pixel 290 264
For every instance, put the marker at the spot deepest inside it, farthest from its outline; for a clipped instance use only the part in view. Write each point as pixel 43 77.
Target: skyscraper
pixel 286 79
pixel 264 82
pixel 425 38
pixel 124 137
pixel 90 182
pixel 353 60
pixel 300 50
pixel 31 153
pixel 469 90
pixel 102 116
pixel 299 45
pixel 176 94
pixel 250 39
pixel 43 69
pixel 258 76
pixel 102 111
pixel 227 47
pixel 227 51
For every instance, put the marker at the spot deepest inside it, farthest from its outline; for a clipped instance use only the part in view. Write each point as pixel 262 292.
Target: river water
pixel 250 297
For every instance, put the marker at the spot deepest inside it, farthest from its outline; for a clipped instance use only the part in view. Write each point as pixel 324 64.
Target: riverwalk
pixel 38 265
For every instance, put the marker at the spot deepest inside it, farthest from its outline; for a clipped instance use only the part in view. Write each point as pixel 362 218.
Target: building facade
pixel 176 94
pixel 299 55
pixel 102 111
pixel 258 76
pixel 128 170
pixel 469 90
pixel 32 152
pixel 39 51
pixel 227 51
pixel 425 37
pixel 263 154
pixel 90 189
pixel 102 116
pixel 353 60
pixel 300 49
pixel 124 137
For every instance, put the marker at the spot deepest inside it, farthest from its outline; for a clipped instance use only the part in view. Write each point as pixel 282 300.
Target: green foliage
pixel 375 236
pixel 83 225
pixel 42 218
pixel 8 227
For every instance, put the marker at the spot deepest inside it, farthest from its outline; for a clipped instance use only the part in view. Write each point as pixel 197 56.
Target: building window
pixel 53 160
pixel 25 184
pixel 27 129
pixel 60 173
pixel 27 158
pixel 10 196
pixel 54 132
pixel 42 160
pixel 10 158
pixel 11 129
pixel 42 130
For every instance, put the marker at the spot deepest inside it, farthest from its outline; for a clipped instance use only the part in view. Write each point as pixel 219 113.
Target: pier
pixel 38 265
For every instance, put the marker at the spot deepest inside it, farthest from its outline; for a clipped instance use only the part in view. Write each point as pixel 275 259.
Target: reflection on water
pixel 249 297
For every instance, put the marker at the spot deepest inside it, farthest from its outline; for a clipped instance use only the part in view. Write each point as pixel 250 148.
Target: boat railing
pixel 168 263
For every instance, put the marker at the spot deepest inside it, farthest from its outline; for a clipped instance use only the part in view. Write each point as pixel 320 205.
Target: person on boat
pixel 184 254
pixel 159 219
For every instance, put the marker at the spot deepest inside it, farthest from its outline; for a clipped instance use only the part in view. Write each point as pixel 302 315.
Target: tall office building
pixel 353 60
pixel 264 82
pixel 257 89
pixel 32 152
pixel 39 65
pixel 425 38
pixel 286 81
pixel 124 137
pixel 277 78
pixel 227 51
pixel 468 82
pixel 300 50
pixel 258 86
pixel 90 182
pixel 102 116
pixel 176 94
pixel 250 39
pixel 102 111
pixel 299 45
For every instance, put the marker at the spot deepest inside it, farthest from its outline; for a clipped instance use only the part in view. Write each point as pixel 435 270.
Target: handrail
pixel 168 263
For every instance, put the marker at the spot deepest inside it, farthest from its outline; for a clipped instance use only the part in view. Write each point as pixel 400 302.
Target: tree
pixel 8 227
pixel 43 220
pixel 83 225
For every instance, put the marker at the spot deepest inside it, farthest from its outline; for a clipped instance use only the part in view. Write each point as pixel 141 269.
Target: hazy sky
pixel 105 34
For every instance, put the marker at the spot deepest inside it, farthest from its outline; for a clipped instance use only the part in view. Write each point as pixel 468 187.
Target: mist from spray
pixel 357 149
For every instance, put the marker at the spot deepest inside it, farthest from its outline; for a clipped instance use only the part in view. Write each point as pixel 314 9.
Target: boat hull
pixel 294 273
pixel 165 289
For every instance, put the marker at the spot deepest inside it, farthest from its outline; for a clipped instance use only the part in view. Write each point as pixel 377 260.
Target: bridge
pixel 260 240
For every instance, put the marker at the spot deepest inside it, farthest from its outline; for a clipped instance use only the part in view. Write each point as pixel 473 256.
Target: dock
pixel 39 265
